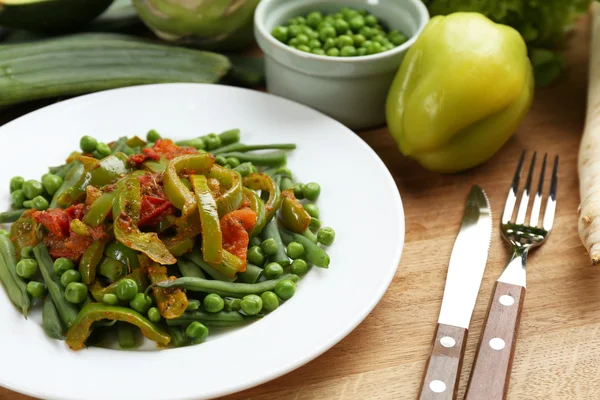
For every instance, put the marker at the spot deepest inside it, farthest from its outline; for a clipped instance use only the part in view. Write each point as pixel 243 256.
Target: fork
pixel 491 372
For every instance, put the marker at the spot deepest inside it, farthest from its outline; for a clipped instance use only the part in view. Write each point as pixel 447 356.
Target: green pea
pixel 327 32
pixel 283 171
pixel 303 47
pixel 312 210
pixel 314 44
pixel 285 289
pixel 380 39
pixel 329 19
pixel 367 32
pixel 299 267
pixel 36 289
pixel 295 250
pixel 302 39
pixel 213 303
pixel 326 236
pixel 234 162
pixel 251 304
pixel 18 197
pixel 315 224
pixel 307 30
pixel 379 28
pixel 141 303
pixel 338 15
pixel 61 265
pixel 293 42
pixel 280 33
pixel 357 23
pixel 111 299
pixel 245 169
pixel 27 268
pixel 27 253
pixel 39 203
pixel 212 141
pixel 127 289
pixel 293 31
pixel 193 305
pixel 291 21
pixel 32 188
pixel 361 52
pixel 311 191
pixel 301 20
pixel 397 38
pixel 341 26
pixel 371 20
pixel 76 292
pixel 312 35
pixel 69 276
pixel 348 12
pixel 103 149
pixel 270 301
pixel 27 204
pixel 344 40
pixel 4 232
pixel 319 52
pixel 152 136
pixel 388 47
pixel 154 314
pixel 314 19
pixel 269 246
pixel 364 13
pixel 256 255
pixel 329 44
pixel 220 160
pixel 88 144
pixel 16 183
pixel 374 48
pixel 359 40
pixel 333 52
pixel 197 331
pixel 273 271
pixel 348 51
pixel 299 191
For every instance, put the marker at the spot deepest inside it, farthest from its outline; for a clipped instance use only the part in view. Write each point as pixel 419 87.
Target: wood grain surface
pixel 558 350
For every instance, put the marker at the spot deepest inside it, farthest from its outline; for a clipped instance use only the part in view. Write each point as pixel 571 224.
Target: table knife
pixel 465 271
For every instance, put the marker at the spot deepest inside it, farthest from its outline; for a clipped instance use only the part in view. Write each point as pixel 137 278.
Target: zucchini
pixel 50 15
pixel 93 62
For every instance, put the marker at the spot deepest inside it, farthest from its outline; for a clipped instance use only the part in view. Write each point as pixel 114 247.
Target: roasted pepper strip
pixel 265 183
pixel 258 206
pixel 212 239
pixel 24 231
pixel 126 213
pixel 80 330
pixel 90 260
pixel 98 291
pixel 156 166
pixel 100 209
pixel 293 216
pixel 74 175
pixel 179 195
pixel 171 303
pixel 232 197
pixel 118 251
pixel 100 173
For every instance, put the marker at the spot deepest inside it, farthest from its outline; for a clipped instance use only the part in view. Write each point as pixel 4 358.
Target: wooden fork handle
pixel 491 372
pixel 442 371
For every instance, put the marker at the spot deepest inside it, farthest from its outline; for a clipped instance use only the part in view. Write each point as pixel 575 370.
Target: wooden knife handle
pixel 440 381
pixel 491 372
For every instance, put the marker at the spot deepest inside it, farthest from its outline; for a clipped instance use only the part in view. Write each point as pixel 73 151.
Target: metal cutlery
pixel 491 372
pixel 465 271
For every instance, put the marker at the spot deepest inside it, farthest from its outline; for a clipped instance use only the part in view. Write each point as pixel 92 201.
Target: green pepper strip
pixel 98 291
pixel 135 142
pixel 258 206
pixel 119 252
pixel 171 303
pixel 126 213
pixel 232 198
pixel 80 330
pixel 179 195
pixel 264 182
pixel 101 207
pixel 212 239
pixel 97 173
pixel 156 166
pixel 90 260
pixel 293 216
pixel 25 231
pixel 74 175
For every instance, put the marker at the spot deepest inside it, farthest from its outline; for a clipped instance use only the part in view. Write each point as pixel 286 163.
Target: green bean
pixel 271 231
pixel 7 250
pixel 232 304
pixel 220 319
pixel 272 159
pixel 193 305
pixel 224 289
pixel 10 216
pixel 243 148
pixel 13 291
pixel 178 337
pixel 286 183
pixel 196 258
pixel 312 252
pixel 72 177
pixel 127 334
pixel 229 137
pixel 189 269
pixel 119 145
pixel 310 236
pixel 251 275
pixel 255 241
pixel 67 311
pixel 64 170
pixel 51 320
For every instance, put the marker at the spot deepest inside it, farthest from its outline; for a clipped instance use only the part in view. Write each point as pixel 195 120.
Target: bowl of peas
pixel 337 56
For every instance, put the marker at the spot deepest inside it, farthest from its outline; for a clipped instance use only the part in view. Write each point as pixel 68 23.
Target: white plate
pixel 359 199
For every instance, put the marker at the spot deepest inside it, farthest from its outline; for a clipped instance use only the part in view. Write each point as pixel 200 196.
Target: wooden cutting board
pixel 558 351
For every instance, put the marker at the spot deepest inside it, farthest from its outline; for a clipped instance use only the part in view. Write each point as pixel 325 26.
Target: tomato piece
pixel 234 228
pixel 56 220
pixel 153 210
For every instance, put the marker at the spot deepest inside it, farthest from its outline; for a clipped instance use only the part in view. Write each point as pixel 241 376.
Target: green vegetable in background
pixel 461 92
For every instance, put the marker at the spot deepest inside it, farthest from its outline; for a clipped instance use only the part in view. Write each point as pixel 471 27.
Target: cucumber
pixel 50 15
pixel 91 62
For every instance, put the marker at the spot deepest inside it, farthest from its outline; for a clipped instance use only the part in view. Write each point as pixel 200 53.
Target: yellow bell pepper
pixel 461 92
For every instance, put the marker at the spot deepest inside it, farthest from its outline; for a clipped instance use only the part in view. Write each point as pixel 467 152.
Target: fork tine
pixel 525 197
pixel 551 204
pixel 511 199
pixel 537 201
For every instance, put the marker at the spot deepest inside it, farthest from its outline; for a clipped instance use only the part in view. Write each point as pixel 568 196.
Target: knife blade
pixel 463 280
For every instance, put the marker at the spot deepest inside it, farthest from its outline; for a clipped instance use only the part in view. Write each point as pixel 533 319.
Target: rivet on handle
pixel 437 386
pixel 447 342
pixel 497 343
